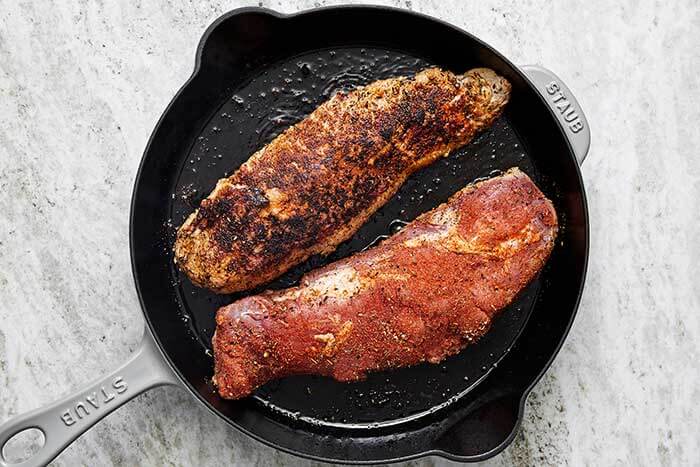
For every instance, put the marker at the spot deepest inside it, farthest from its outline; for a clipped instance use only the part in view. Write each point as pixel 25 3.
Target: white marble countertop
pixel 82 84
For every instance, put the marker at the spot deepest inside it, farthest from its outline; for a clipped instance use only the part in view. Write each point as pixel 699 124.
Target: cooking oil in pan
pixel 259 110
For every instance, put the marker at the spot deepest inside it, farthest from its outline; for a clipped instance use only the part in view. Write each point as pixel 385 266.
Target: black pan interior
pixel 254 81
pixel 280 95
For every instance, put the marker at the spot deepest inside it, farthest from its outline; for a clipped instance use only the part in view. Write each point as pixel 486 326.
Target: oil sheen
pixel 268 103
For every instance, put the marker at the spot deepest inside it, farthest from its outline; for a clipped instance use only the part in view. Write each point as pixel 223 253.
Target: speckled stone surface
pixel 81 87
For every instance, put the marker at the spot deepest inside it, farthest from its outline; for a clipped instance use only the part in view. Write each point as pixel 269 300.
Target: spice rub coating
pixel 314 185
pixel 421 295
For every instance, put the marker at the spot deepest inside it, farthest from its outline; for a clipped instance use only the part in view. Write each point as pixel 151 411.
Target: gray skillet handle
pixel 565 107
pixel 63 421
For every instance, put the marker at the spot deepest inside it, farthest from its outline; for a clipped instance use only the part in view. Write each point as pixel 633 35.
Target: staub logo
pixel 93 402
pixel 565 107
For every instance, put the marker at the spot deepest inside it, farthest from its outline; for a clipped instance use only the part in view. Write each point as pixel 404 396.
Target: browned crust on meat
pixel 314 185
pixel 421 295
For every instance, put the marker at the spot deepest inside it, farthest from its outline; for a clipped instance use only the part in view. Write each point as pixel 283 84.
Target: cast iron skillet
pixel 257 71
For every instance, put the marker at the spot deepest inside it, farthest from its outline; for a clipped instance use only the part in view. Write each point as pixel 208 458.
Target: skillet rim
pixel 186 384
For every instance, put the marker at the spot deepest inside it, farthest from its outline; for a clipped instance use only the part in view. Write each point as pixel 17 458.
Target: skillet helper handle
pixel 64 420
pixel 564 106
